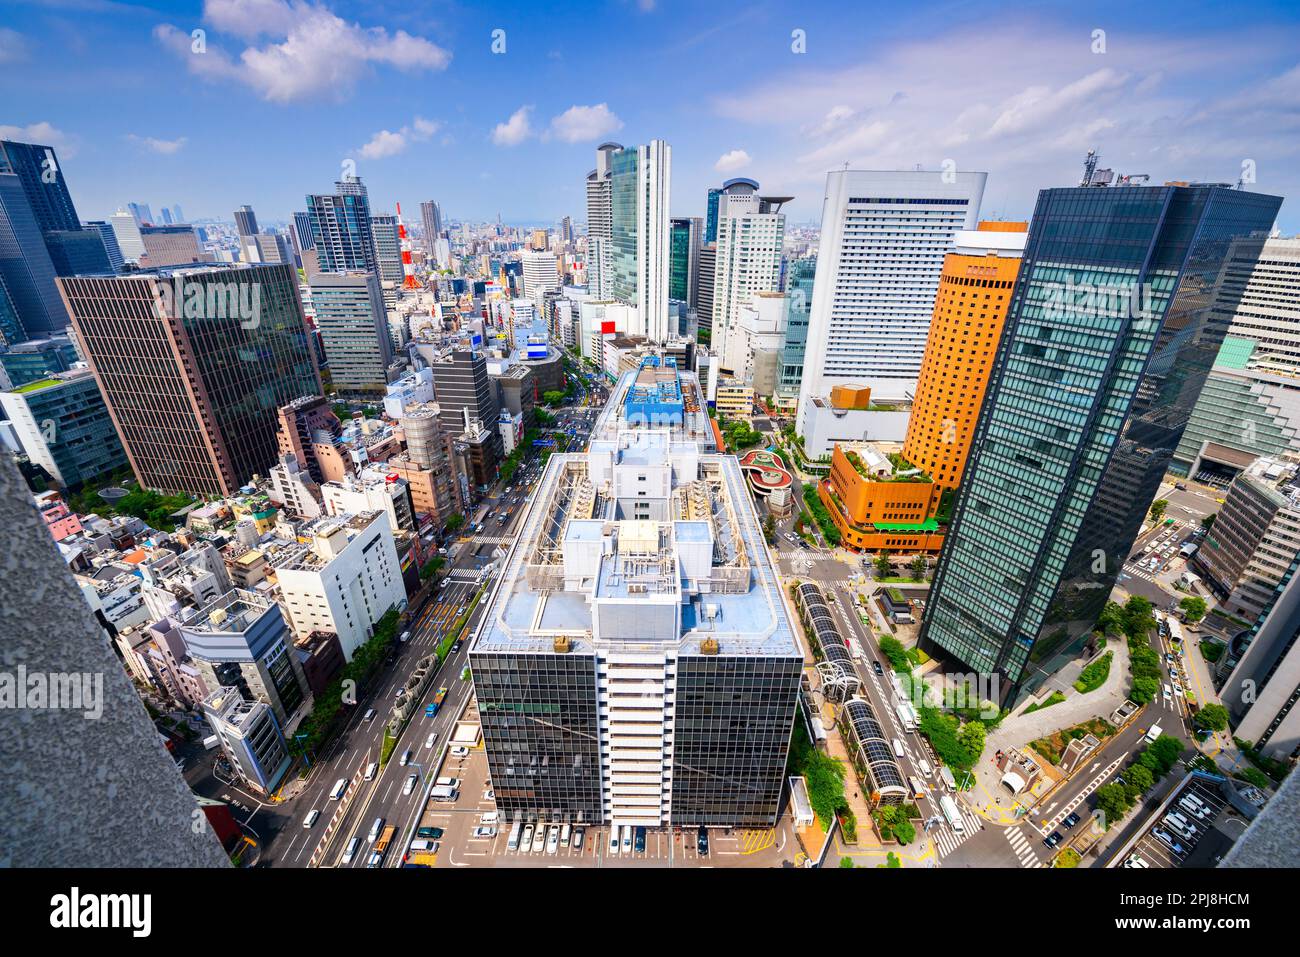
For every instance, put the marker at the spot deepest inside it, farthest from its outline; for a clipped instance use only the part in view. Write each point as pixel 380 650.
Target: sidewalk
pixel 1019 729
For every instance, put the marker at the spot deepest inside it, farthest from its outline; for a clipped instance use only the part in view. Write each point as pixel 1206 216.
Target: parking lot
pixel 1165 845
pixel 459 846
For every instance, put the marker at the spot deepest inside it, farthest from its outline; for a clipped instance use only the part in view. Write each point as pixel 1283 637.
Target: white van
pixel 512 843
pixel 340 786
pixel 627 838
pixel 375 830
pixel 924 765
pixel 446 782
pixel 422 844
pixel 613 840
pixel 489 817
pixel 351 852
pixel 311 817
pixel 899 750
pixel 371 770
pixel 918 788
pixel 564 835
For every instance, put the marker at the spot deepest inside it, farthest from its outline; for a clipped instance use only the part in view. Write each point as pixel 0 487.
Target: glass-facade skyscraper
pixel 799 279
pixel 341 228
pixel 683 273
pixel 1122 300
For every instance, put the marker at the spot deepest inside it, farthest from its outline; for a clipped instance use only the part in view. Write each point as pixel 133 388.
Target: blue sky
pixel 284 92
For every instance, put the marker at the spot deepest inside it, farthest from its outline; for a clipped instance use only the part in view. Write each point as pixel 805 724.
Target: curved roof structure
pixel 877 754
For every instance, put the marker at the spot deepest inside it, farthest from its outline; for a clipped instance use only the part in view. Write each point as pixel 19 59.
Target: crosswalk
pixel 1022 847
pixel 495 539
pixel 946 841
pixel 464 574
pixel 1136 572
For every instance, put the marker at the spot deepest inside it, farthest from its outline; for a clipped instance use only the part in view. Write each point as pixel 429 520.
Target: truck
pixel 385 838
pixel 432 707
pixel 950 813
pixel 211 741
pixel 1153 732
pixel 906 715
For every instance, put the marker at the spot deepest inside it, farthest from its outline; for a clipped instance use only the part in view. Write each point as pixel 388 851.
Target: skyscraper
pixel 751 233
pixel 109 238
pixel 708 258
pixel 684 273
pixel 1116 317
pixel 598 221
pixel 711 215
pixel 351 319
pixel 388 249
pixel 340 228
pixel 245 222
pixel 969 312
pixel 38 169
pixel 25 265
pixel 636 665
pixel 193 364
pixel 883 239
pixel 431 216
pixel 640 186
pixel 540 274
pixel 800 278
pixel 127 230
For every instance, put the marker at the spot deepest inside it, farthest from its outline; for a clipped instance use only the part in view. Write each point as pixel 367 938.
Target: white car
pixel 553 839
pixel 311 817
pixel 526 840
pixel 485 832
pixel 406 757
pixel 411 781
pixel 459 751
pixel 433 736
pixel 539 839
pixel 371 770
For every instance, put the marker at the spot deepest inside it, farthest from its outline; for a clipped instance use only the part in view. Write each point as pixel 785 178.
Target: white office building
pixel 598 221
pixel 541 274
pixel 884 236
pixel 751 231
pixel 343 579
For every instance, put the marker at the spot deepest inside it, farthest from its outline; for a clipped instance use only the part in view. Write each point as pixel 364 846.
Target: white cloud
pixel 387 143
pixel 13 48
pixel 579 124
pixel 733 160
pixel 42 133
pixel 155 145
pixel 311 52
pixel 1182 108
pixel 514 130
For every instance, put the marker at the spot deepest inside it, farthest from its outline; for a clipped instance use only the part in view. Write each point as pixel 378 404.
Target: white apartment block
pixel 884 236
pixel 344 579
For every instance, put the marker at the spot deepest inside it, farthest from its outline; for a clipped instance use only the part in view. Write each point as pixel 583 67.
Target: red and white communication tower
pixel 408 268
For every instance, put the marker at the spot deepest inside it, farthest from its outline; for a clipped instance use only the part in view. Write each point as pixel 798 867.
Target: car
pixel 369 715
pixel 455 646
pixel 485 832
pixel 1072 819
pixel 1181 486
pixel 639 840
pixel 1168 838
pixel 613 840
pixel 539 839
pixel 875 666
pixel 459 751
pixel 351 851
pixel 406 757
pixel 578 834
pixel 429 741
pixel 1134 860
pixel 411 781
pixel 405 635
pixel 375 860
pixel 429 833
pixel 376 829
pixel 553 839
pixel 702 842
pixel 626 844
pixel 489 795
pixel 1053 839
pixel 311 817
pixel 526 839
pixel 371 770
pixel 443 583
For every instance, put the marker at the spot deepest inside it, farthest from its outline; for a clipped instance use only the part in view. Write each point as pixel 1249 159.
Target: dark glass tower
pixel 341 229
pixel 1123 298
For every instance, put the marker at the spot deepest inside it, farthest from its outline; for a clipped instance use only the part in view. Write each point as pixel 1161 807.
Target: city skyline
pixel 1139 95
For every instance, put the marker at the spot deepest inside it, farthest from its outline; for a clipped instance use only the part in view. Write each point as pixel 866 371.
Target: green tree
pixel 1207 522
pixel 1193 607
pixel 919 567
pixel 971 735
pixel 1113 801
pixel 1212 717
pixel 1111 619
pixel 455 521
pixel 1140 777
pixel 1158 509
pixel 893 649
pixel 553 397
pixel 1143 690
pixel 883 566
pixel 846 862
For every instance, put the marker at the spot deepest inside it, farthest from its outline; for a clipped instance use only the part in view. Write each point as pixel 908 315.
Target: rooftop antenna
pixel 1089 167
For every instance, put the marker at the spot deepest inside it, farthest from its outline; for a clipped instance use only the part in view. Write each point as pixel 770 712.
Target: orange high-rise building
pixel 969 311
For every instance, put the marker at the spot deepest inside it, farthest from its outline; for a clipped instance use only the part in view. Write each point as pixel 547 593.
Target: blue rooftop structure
pixel 655 396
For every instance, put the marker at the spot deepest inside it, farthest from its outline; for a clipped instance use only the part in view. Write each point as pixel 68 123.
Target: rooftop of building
pixel 698 574
pixel 235 611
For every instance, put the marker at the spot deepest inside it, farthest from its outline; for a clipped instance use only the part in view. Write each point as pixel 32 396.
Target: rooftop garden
pixel 38 384
pixel 899 464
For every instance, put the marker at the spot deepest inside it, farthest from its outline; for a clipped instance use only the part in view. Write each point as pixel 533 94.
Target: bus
pixel 949 808
pixel 906 716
